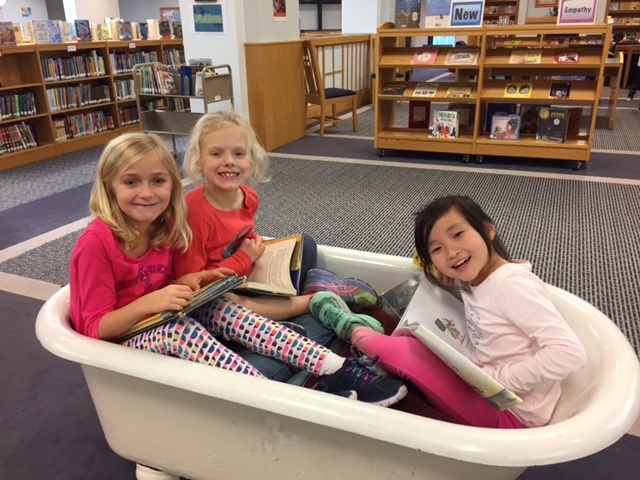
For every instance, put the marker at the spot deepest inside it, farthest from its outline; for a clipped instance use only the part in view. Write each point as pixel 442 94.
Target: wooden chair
pixel 317 94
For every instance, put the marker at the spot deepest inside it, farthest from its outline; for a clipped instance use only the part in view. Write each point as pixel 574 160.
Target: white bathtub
pixel 204 423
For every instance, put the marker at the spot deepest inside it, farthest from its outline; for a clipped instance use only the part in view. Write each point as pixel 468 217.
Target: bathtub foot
pixel 147 473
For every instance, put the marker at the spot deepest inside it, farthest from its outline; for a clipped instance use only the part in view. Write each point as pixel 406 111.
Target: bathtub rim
pixel 567 440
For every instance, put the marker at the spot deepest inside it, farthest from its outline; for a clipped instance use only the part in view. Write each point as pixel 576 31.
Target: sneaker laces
pixel 367 362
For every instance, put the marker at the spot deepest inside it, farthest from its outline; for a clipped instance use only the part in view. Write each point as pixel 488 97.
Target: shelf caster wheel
pixel 576 166
pixel 381 153
pixel 466 158
pixel 479 159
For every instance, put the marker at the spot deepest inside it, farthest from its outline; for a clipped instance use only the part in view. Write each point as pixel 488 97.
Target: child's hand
pixel 197 280
pixel 252 247
pixel 171 297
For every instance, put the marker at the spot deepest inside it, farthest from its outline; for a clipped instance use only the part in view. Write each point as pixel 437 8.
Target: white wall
pixel 141 10
pixel 260 26
pixel 365 16
pixel 12 13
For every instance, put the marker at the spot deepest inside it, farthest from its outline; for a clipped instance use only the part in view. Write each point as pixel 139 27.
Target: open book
pixel 437 318
pixel 277 271
pixel 202 296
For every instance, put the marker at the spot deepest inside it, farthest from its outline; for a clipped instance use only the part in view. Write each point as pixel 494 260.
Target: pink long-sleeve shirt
pixel 521 339
pixel 104 278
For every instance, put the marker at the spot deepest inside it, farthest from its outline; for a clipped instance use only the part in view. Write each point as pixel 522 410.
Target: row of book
pixel 17 105
pixel 454 56
pixel 123 62
pixel 77 96
pixel 511 90
pixel 503 121
pixel 59 31
pixel 532 56
pixel 89 64
pixel 125 89
pixel 626 20
pixel 157 80
pixel 497 9
pixel 617 6
pixel 553 39
pixel 82 124
pixel 129 116
pixel 17 137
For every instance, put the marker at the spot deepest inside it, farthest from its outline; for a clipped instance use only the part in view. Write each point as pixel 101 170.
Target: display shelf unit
pixel 157 110
pixel 65 92
pixel 625 16
pixel 500 12
pixel 494 72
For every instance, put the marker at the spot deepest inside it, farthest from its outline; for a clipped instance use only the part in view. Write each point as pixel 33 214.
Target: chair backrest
pixel 312 77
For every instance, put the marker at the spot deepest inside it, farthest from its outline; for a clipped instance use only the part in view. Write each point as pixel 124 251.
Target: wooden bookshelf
pixel 493 70
pixel 28 70
pixel 625 16
pixel 501 12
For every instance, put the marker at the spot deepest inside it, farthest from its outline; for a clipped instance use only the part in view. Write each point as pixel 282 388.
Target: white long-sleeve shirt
pixel 521 339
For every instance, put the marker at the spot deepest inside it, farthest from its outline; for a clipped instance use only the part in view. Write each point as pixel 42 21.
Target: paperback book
pixel 393 89
pixel 529 113
pixel 560 90
pixel 200 297
pixel 505 127
pixel 419 114
pixel 518 90
pixel 462 57
pixel 566 57
pixel 7 35
pixel 425 90
pixel 83 30
pixel 525 56
pixel 498 109
pixel 458 92
pixel 575 121
pixel 437 318
pixel 425 56
pixel 445 124
pixel 552 124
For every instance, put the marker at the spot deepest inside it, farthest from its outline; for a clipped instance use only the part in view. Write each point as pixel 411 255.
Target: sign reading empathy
pixel 577 11
pixel 466 13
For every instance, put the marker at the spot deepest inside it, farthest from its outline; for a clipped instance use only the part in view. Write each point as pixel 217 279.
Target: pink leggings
pixel 409 359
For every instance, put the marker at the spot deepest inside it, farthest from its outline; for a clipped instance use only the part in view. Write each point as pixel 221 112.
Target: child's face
pixel 225 161
pixel 143 191
pixel 457 250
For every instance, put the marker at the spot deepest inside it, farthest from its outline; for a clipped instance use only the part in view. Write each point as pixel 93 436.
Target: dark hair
pixel 618 36
pixel 472 213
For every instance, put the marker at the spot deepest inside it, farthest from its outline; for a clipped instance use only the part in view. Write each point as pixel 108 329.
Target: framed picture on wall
pixel 546 3
pixel 170 13
pixel 209 18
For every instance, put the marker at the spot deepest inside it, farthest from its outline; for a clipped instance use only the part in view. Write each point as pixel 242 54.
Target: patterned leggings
pixel 193 338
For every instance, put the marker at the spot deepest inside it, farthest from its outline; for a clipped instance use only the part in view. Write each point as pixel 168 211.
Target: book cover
pixel 560 90
pixel 19 33
pixel 462 57
pixel 424 89
pixel 55 32
pixel 529 113
pixel 7 34
pixel 466 115
pixel 498 109
pixel 445 124
pixel 396 300
pixel 164 29
pixel 419 114
pixel 105 31
pixel 437 318
pixel 83 30
pixel 566 57
pixel 177 29
pixel 425 56
pixel 67 34
pixel 407 14
pixel 518 90
pixel 575 121
pixel 144 30
pixel 505 127
pixel 525 56
pixel 41 32
pixel 458 92
pixel 552 124
pixel 277 270
pixel 200 297
pixel 153 28
pixel 393 89
pixel 124 30
pixel 165 81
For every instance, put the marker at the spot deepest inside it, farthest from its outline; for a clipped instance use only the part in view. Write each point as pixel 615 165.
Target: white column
pixel 365 16
pixel 244 21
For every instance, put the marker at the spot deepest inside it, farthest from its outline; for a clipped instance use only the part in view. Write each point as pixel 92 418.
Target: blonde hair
pixel 170 229
pixel 211 122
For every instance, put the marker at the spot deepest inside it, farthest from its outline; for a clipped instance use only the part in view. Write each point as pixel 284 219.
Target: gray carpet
pixel 580 236
pixel 623 137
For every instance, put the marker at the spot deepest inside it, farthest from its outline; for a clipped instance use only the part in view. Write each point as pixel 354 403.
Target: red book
pixel 425 56
pixel 419 114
